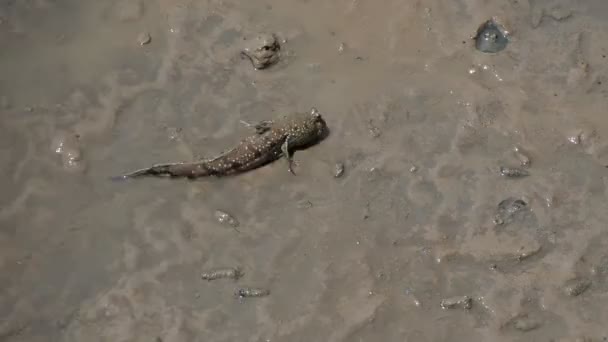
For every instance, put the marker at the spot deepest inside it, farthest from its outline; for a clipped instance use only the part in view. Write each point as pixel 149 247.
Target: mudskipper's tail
pixel 187 170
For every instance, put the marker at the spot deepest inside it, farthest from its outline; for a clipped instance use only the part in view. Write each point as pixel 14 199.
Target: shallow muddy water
pixel 421 237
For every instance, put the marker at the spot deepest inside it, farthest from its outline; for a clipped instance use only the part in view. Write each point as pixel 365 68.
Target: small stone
pixel 413 169
pixel 144 38
pixel 339 170
pixel 341 47
pixel 226 219
pixel 575 139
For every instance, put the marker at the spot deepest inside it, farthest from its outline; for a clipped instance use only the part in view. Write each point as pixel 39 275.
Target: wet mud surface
pixel 387 231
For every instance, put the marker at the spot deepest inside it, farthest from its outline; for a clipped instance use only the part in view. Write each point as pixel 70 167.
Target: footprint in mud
pixel 491 37
pixel 508 209
pixel 523 322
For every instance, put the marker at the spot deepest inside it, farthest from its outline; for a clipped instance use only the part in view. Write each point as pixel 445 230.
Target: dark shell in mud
pixel 491 37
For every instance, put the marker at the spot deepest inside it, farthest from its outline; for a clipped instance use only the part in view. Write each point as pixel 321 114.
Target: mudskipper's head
pixel 318 123
pixel 309 129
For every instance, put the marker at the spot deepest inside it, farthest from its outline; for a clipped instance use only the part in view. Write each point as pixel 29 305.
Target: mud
pixel 418 116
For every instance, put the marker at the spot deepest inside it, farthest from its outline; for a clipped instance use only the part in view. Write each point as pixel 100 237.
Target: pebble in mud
pixel 491 37
pixel 67 145
pixel 507 208
pixel 513 172
pixel 144 38
pixel 576 286
pixel 575 139
pixel 339 170
pixel 463 302
pixel 263 51
pixel 246 292
pixel 233 273
pixel 226 219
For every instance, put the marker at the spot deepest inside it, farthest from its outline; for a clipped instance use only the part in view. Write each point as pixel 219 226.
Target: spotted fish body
pixel 273 140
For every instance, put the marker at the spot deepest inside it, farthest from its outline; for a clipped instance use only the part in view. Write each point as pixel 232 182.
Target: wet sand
pixel 421 120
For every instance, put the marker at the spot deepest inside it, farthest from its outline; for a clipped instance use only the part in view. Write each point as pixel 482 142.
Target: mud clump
pixel 263 51
pixel 522 156
pixel 233 273
pixel 463 302
pixel 575 287
pixel 144 38
pixel 513 172
pixel 68 146
pixel 247 292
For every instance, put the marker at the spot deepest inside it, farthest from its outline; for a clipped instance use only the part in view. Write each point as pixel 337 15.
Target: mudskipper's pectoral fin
pixel 287 154
pixel 260 127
